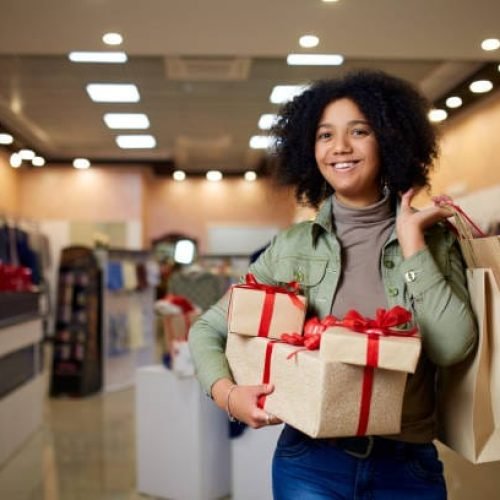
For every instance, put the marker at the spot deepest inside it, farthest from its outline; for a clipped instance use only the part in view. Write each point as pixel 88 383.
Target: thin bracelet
pixel 230 416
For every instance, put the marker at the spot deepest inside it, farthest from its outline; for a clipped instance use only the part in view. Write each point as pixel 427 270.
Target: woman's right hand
pixel 242 402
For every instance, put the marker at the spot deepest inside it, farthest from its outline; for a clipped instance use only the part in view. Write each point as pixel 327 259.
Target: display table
pixel 183 448
pixel 251 457
pixel 21 383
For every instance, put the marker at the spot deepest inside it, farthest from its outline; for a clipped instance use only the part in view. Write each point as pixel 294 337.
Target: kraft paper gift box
pixel 379 342
pixel 259 310
pixel 400 353
pixel 320 398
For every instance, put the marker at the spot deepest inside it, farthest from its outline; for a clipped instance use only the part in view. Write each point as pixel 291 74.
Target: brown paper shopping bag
pixel 469 413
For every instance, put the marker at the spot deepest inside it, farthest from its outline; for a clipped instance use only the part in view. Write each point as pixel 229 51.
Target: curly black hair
pixel 397 113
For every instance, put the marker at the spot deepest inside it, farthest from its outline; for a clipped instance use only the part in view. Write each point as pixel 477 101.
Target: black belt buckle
pixel 353 447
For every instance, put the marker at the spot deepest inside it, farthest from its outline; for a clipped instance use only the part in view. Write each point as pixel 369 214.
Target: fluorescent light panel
pixel 126 120
pixel 261 141
pixel 267 120
pixel 283 93
pixel 136 141
pixel 113 92
pixel 98 57
pixel 314 60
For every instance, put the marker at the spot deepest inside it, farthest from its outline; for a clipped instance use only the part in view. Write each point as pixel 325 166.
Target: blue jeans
pixel 314 469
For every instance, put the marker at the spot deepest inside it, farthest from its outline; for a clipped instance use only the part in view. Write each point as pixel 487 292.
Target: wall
pixel 96 194
pixel 9 186
pixel 470 151
pixel 192 206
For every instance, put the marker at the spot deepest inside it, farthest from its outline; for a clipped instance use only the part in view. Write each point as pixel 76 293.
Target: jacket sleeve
pixel 208 335
pixel 441 302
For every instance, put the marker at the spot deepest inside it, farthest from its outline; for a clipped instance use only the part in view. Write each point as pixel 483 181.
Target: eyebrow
pixel 351 123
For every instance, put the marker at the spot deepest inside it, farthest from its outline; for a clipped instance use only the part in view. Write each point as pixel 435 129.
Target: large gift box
pixel 260 310
pixel 321 397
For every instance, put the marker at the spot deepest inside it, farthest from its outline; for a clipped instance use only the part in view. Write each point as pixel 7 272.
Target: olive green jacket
pixel 431 284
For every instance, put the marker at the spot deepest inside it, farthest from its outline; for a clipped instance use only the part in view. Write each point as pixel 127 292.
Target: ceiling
pixel 205 69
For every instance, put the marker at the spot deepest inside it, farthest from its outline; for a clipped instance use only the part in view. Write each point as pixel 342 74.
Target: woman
pixel 360 147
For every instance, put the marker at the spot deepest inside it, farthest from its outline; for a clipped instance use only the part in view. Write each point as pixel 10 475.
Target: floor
pixel 85 450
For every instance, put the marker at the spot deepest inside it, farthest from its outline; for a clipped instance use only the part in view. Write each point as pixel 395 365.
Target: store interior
pixel 96 401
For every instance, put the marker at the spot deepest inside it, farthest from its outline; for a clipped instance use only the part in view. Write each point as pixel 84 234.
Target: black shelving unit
pixel 77 353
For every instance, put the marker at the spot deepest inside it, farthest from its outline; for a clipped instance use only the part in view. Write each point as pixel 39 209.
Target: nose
pixel 342 144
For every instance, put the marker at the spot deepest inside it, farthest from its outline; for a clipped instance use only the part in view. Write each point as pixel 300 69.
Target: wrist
pixel 220 390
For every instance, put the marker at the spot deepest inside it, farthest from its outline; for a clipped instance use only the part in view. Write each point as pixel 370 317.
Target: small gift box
pixel 260 310
pixel 178 316
pixel 377 343
pixel 320 397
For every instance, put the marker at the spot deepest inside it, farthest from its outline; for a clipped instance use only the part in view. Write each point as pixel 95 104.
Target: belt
pixel 364 446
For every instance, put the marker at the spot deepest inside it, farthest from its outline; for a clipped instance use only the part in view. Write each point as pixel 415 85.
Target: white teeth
pixel 343 165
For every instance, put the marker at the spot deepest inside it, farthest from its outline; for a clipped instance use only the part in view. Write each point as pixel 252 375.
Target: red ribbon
pixel 468 219
pixel 266 373
pixel 291 289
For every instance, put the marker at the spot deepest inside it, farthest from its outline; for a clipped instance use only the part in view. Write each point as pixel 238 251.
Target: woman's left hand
pixel 410 224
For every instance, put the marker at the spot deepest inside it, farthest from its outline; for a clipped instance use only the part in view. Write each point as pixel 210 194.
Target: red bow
pixel 180 301
pixel 385 320
pixel 291 289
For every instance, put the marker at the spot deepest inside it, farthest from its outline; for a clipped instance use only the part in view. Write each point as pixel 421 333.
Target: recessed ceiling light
pixel 454 102
pixel 26 154
pixel 314 60
pixel 38 161
pixel 330 1
pixel 179 175
pixel 81 163
pixel 480 86
pixel 308 41
pixel 112 39
pixel 250 176
pixel 126 120
pixel 267 120
pixel 136 141
pixel 261 141
pixel 113 92
pixel 15 160
pixel 97 57
pixel 284 93
pixel 214 175
pixel 437 115
pixel 490 44
pixel 6 139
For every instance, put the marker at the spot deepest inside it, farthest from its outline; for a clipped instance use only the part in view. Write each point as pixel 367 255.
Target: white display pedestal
pixel 183 448
pixel 21 411
pixel 252 455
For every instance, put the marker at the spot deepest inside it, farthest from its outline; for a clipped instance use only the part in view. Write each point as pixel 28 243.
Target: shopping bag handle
pixel 465 226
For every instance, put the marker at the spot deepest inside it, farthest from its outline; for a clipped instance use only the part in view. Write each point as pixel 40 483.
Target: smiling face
pixel 347 154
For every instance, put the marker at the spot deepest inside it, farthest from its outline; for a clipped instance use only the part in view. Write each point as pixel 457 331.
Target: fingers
pixel 265 389
pixel 442 200
pixel 406 198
